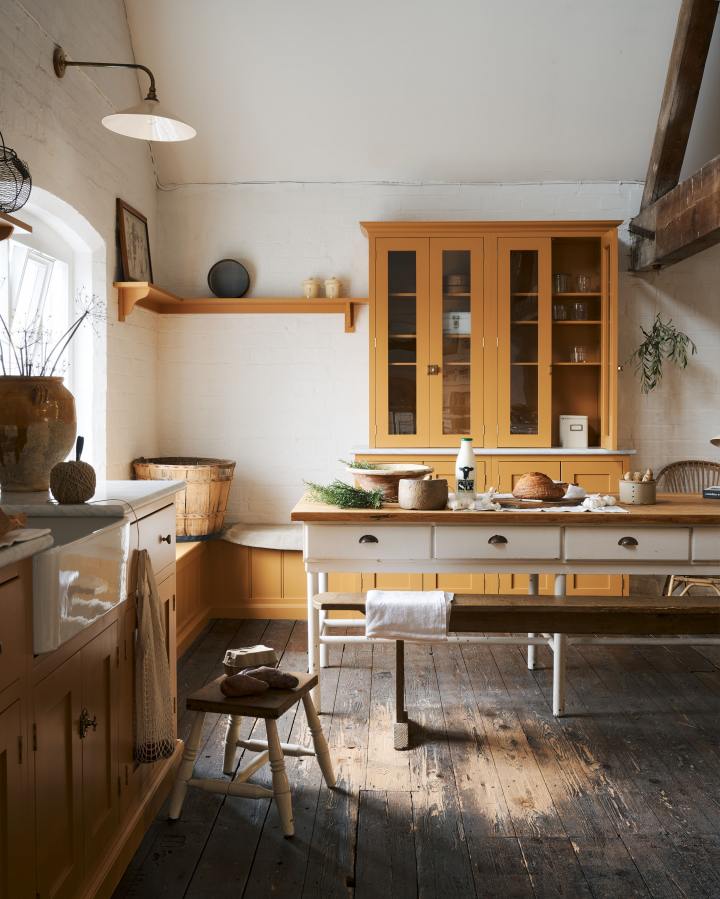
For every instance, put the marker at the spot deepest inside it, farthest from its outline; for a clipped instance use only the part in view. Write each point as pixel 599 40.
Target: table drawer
pixel 153 533
pixel 514 542
pixel 368 542
pixel 632 543
pixel 705 544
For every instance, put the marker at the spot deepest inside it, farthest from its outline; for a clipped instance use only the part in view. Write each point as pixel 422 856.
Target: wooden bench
pixel 579 615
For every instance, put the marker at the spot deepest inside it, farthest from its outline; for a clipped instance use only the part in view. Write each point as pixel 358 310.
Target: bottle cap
pixel 465 438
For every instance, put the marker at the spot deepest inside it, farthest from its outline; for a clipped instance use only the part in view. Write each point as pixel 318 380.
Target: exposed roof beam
pixel 684 221
pixel 696 20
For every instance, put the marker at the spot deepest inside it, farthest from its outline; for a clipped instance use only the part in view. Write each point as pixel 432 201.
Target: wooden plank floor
pixel 497 798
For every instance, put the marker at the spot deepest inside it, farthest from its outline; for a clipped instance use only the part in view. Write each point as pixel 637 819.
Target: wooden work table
pixel 670 508
pixel 680 534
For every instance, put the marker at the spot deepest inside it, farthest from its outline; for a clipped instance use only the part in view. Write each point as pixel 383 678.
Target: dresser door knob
pixel 368 538
pixel 627 541
pixel 497 540
pixel 167 539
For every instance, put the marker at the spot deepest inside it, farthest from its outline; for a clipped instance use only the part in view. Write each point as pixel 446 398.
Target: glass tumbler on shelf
pixel 559 312
pixel 583 283
pixel 561 282
pixel 578 354
pixel 579 312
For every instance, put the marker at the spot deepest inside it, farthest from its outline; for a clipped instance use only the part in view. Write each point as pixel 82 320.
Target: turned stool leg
pixel 280 783
pixel 185 770
pixel 321 748
pixel 231 738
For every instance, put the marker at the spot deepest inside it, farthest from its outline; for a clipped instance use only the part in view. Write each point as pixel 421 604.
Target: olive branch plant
pixel 663 342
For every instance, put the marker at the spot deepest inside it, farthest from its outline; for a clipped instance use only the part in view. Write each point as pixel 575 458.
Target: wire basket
pixel 15 180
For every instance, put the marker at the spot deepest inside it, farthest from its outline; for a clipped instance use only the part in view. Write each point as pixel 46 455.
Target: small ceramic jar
pixel 332 288
pixel 311 288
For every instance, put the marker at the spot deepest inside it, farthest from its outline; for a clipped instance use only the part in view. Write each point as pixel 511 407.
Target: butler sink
pixel 81 578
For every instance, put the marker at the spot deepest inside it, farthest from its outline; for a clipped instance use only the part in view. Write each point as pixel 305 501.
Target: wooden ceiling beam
pixel 693 33
pixel 683 222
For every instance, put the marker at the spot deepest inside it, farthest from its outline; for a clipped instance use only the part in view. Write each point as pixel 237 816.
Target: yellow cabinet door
pixel 455 371
pixel 524 342
pixel 388 581
pixel 100 794
pixel 57 702
pixel 17 879
pixel 401 351
pixel 455 583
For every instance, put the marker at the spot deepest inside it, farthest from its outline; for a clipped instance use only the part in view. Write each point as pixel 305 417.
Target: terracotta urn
pixel 37 430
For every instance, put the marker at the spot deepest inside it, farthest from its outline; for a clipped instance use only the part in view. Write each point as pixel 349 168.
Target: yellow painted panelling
pixel 595 477
pixel 386 581
pixel 455 583
pixel 265 574
pixel 293 576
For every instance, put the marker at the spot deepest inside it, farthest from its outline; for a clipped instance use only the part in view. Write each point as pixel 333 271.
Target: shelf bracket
pixel 129 297
pixel 349 318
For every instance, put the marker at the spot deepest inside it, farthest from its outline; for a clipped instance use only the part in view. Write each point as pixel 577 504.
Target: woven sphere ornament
pixel 15 180
pixel 72 483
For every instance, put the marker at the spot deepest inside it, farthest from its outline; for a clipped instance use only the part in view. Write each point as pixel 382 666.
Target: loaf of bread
pixel 536 485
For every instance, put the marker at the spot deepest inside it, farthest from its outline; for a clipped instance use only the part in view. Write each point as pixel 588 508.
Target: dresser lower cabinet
pixel 597 475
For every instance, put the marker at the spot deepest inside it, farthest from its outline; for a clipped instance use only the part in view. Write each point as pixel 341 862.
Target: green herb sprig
pixel 362 466
pixel 662 342
pixel 338 493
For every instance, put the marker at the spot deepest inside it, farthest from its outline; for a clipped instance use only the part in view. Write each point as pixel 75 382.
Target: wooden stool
pixel 270 706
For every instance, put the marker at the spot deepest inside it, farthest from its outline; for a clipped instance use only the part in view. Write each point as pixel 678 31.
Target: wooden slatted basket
pixel 200 507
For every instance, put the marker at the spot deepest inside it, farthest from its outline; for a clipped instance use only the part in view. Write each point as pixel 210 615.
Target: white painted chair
pixel 269 706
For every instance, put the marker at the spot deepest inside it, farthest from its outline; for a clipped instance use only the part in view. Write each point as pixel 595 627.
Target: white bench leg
pixel 280 783
pixel 322 588
pixel 313 629
pixel 319 742
pixel 559 647
pixel 231 739
pixel 185 770
pixel 533 582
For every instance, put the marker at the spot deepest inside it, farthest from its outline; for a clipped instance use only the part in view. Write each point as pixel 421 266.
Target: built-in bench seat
pixel 580 615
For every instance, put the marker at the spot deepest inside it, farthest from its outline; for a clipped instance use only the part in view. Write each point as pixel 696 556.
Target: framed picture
pixel 134 243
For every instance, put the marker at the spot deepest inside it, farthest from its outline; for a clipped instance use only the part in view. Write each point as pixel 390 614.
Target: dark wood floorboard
pixel 495 797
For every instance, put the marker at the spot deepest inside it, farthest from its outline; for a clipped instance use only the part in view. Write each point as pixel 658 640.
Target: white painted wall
pixel 286 396
pixel 55 126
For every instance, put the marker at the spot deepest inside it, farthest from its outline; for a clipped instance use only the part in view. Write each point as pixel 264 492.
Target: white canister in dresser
pixel 574 431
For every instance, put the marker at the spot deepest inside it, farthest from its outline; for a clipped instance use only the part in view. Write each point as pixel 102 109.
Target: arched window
pixel 47 279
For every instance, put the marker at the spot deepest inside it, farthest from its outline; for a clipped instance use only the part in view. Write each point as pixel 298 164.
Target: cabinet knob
pixel 433 369
pixel 86 722
pixel 497 540
pixel 167 539
pixel 1 648
pixel 627 541
pixel 368 538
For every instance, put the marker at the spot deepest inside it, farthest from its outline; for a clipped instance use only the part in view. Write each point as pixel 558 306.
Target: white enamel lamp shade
pixel 149 121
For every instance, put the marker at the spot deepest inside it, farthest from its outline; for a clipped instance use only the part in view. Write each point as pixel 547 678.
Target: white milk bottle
pixel 465 467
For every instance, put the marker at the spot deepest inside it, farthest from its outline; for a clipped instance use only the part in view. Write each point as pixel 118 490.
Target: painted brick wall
pixel 55 126
pixel 287 396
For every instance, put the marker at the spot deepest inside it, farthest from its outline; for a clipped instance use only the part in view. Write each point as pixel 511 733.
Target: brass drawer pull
pixel 497 540
pixel 167 539
pixel 627 541
pixel 368 538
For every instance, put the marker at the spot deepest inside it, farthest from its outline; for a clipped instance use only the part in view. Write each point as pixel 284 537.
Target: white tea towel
pixel 407 614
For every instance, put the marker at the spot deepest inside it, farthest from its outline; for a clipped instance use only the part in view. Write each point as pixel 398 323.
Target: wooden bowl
pixel 388 477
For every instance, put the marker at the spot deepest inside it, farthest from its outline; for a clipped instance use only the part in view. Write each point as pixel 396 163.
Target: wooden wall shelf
pixel 9 224
pixel 150 296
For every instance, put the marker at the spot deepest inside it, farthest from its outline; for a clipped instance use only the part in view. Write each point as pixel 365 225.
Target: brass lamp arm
pixel 61 62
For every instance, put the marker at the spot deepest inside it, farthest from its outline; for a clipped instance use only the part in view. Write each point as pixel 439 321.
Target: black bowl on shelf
pixel 229 278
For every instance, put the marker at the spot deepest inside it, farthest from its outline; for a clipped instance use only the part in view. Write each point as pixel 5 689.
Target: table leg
pixel 559 647
pixel 401 728
pixel 533 581
pixel 322 588
pixel 313 626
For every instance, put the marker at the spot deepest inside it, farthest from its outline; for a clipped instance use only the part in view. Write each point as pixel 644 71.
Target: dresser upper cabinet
pixel 492 331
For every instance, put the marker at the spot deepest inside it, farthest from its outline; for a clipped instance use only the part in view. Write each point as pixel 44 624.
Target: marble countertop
pixel 490 451
pixel 20 551
pixel 112 498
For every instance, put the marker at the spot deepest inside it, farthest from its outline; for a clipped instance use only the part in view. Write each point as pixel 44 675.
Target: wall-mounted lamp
pixel 146 120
